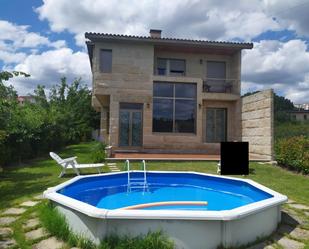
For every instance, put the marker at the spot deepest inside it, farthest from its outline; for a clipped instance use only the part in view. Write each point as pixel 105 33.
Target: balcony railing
pixel 214 85
pixel 164 72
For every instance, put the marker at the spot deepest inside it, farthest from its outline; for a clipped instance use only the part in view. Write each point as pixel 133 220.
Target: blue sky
pixel 46 38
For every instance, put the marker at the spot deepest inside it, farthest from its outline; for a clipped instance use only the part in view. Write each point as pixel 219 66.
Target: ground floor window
pixel 174 107
pixel 216 125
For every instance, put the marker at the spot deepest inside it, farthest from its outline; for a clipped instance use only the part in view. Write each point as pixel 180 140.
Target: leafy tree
pixel 8 103
pixel 48 124
pixel 281 106
pixel 77 115
pixel 40 96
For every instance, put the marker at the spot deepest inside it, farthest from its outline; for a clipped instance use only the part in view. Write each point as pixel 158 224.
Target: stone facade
pixel 257 124
pixel 134 73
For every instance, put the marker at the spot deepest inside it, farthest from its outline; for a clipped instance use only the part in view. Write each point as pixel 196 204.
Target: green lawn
pixel 20 183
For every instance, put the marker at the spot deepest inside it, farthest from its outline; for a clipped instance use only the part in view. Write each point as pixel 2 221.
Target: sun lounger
pixel 71 163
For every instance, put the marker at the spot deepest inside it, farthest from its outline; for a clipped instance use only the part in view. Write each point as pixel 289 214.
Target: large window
pixel 105 61
pixel 174 107
pixel 172 67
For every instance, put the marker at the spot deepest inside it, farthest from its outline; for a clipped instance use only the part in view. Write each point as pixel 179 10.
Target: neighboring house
pixel 23 99
pixel 166 94
pixel 299 115
pixel 302 106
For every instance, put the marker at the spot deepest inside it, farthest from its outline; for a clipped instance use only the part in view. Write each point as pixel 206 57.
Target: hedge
pixel 293 153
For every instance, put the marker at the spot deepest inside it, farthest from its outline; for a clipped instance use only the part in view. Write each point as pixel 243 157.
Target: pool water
pixel 111 192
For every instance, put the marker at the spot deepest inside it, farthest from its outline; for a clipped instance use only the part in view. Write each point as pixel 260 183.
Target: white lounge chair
pixel 71 163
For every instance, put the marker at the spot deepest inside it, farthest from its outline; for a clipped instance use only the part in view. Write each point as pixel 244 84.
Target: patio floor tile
pixel 36 234
pixel 5 232
pixel 7 243
pixel 50 243
pixel 299 206
pixel 287 243
pixel 14 211
pixel 7 220
pixel 29 203
pixel 31 223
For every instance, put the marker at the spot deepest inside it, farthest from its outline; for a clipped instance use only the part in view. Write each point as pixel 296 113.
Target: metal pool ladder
pixel 138 182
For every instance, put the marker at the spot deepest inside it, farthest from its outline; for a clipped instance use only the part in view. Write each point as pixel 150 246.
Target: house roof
pixel 162 42
pixel 299 111
pixel 171 41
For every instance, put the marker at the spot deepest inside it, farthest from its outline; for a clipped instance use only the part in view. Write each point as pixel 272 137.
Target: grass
pixel 20 183
pixel 291 129
pixel 56 224
pixel 19 232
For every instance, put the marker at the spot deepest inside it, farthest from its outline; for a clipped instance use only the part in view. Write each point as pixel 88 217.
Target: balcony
pixel 214 85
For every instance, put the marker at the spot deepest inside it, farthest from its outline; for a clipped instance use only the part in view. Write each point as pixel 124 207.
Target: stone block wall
pixel 257 124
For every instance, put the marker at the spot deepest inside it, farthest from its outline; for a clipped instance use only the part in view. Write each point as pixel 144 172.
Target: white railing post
pixel 127 164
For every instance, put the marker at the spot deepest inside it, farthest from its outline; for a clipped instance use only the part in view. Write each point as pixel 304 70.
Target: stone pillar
pixel 104 129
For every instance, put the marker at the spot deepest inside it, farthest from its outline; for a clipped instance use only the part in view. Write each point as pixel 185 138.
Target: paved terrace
pixel 169 157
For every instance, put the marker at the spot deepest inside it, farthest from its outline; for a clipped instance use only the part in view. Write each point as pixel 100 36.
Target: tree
pixel 48 124
pixel 8 103
pixel 6 75
pixel 281 107
pixel 74 101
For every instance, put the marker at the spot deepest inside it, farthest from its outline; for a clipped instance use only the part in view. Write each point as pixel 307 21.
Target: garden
pixel 63 121
pixel 21 184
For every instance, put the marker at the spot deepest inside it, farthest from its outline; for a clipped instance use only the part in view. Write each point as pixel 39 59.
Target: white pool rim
pixel 233 214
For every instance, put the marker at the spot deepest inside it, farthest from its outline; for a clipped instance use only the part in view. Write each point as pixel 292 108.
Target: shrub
pixel 293 153
pixel 98 154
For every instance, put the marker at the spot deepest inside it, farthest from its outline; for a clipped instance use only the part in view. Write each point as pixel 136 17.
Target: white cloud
pixel 208 19
pixel 48 67
pixel 290 14
pixel 9 57
pixel 272 61
pixel 14 37
pixel 278 65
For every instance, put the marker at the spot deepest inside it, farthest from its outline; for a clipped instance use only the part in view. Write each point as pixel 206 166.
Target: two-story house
pixel 166 94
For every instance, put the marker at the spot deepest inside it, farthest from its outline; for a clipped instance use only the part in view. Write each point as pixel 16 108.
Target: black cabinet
pixel 234 158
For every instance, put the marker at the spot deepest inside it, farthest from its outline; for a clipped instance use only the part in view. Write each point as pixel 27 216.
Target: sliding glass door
pixel 216 125
pixel 130 125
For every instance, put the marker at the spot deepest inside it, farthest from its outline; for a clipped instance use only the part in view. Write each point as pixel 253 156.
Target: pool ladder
pixel 138 182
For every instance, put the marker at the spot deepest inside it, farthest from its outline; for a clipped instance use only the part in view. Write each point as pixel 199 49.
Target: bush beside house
pixel 293 153
pixel 32 129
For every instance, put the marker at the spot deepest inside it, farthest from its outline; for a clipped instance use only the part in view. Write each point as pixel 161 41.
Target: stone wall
pixel 257 124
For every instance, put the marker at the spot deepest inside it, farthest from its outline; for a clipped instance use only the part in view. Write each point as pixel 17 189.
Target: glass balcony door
pixel 216 125
pixel 130 128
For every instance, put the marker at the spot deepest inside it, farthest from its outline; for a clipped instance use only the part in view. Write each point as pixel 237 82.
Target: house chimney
pixel 155 33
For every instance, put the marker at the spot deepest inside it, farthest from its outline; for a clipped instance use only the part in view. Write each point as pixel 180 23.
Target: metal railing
pixel 139 182
pixel 215 85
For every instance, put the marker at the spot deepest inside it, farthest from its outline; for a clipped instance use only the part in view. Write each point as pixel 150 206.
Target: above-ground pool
pixel 195 210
